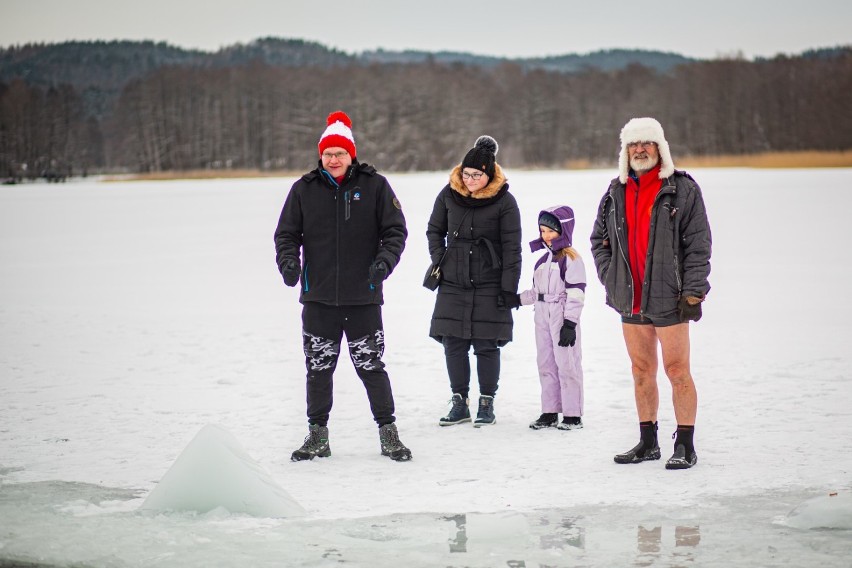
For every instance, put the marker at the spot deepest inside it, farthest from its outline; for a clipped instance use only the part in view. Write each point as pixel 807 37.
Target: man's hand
pixel 379 270
pixel 568 334
pixel 689 308
pixel 291 271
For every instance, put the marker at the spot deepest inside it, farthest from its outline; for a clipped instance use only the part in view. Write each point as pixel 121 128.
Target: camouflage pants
pixel 323 328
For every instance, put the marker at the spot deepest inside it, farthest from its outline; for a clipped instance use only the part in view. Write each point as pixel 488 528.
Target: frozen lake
pixel 133 314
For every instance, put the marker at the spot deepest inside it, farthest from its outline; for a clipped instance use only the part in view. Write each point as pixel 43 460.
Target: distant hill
pixel 99 70
pixel 605 60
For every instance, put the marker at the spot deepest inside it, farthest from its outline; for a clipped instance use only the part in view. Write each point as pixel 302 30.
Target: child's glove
pixel 689 308
pixel 568 334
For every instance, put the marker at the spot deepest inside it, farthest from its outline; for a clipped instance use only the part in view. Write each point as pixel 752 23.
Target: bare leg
pixel 675 345
pixel 641 342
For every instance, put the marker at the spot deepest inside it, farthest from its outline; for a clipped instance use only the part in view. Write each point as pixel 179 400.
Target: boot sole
pixel 296 456
pixel 462 421
pixel 633 459
pixel 681 464
pixel 480 424
pixel 400 458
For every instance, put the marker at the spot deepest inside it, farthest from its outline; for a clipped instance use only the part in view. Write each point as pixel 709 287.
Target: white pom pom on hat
pixel 338 133
pixel 645 129
pixel 482 156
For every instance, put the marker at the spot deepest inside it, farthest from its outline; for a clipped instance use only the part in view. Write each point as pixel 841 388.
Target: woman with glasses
pixel 474 233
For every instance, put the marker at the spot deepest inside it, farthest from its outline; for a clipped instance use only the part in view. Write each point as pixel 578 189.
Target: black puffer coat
pixel 482 260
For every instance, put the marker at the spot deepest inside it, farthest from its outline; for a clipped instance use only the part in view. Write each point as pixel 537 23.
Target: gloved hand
pixel 568 334
pixel 291 270
pixel 379 270
pixel 689 308
pixel 508 300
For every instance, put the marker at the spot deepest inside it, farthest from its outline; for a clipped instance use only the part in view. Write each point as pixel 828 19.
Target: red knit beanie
pixel 338 133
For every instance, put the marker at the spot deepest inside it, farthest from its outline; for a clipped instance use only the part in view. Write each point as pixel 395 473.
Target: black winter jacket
pixel 342 231
pixel 678 261
pixel 482 260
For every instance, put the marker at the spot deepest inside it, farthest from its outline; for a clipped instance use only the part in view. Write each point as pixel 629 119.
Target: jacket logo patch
pixel 356 197
pixel 397 204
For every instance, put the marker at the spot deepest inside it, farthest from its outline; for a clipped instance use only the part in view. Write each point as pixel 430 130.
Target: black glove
pixel 568 334
pixel 291 270
pixel 508 300
pixel 689 308
pixel 378 271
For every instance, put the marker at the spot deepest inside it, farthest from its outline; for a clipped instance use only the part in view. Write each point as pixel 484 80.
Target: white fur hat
pixel 644 129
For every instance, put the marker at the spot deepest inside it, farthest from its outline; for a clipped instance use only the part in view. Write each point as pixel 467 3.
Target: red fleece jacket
pixel 639 200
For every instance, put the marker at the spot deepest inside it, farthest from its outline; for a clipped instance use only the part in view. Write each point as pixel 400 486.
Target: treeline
pixel 422 116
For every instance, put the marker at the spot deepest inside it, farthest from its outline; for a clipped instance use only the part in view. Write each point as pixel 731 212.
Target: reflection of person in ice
pixel 651 244
pixel 649 543
pixel 345 222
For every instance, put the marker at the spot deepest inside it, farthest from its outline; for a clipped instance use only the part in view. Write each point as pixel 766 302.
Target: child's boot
pixel 546 420
pixel 570 423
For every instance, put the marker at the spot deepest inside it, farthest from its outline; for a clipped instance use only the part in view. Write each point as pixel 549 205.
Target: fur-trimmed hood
pixel 644 130
pixel 493 188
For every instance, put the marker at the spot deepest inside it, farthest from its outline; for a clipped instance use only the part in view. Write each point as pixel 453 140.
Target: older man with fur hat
pixel 651 244
pixel 341 232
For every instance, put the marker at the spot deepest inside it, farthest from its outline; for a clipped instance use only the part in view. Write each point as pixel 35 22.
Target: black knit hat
pixel 482 156
pixel 550 221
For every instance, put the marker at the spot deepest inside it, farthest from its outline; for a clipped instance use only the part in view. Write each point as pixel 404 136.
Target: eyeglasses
pixel 338 155
pixel 644 144
pixel 475 176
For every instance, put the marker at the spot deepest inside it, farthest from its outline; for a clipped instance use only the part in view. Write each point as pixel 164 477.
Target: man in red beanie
pixel 341 232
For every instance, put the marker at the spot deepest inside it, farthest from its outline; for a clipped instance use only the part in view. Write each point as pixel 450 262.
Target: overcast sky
pixel 513 28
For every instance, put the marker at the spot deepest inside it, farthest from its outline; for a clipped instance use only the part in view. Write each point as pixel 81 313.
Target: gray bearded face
pixel 642 162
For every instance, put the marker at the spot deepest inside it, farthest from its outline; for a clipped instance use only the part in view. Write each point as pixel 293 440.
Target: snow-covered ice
pixel 134 314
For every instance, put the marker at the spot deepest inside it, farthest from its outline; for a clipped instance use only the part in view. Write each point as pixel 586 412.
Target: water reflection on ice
pixel 73 524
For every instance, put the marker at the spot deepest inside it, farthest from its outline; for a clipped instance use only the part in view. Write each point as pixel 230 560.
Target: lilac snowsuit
pixel 558 293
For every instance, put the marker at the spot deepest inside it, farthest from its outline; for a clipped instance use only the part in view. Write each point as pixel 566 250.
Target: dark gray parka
pixel 678 261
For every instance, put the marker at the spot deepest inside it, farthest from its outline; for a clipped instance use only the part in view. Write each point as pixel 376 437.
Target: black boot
pixel 485 414
pixel 684 456
pixel 647 449
pixel 316 444
pixel 391 446
pixel 546 420
pixel 460 412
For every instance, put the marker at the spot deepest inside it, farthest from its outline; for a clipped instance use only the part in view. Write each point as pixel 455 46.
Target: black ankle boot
pixel 459 412
pixel 647 449
pixel 684 456
pixel 485 414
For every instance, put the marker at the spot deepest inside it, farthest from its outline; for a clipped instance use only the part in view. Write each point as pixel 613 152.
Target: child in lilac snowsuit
pixel 558 292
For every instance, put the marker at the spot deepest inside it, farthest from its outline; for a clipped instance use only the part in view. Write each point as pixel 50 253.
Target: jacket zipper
pixel 336 249
pixel 347 202
pixel 621 250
